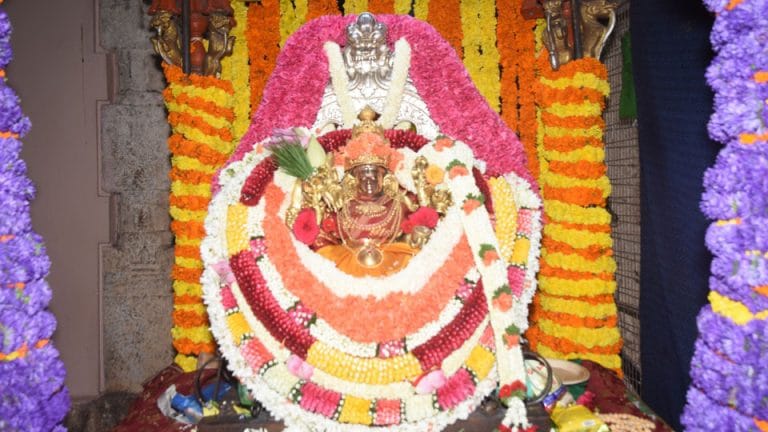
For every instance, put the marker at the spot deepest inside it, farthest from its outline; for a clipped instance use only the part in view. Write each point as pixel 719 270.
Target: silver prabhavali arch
pixel 368 62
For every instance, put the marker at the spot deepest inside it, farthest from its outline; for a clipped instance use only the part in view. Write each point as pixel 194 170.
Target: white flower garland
pixel 272 388
pixel 397 84
pixel 340 83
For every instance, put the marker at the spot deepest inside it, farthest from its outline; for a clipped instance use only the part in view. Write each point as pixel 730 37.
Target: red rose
pixel 329 225
pixel 424 216
pixel 305 226
pixel 407 226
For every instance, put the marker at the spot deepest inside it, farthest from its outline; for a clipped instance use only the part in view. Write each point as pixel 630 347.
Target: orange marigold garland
pixel 381 6
pixel 317 8
pixel 516 44
pixel 201 113
pixel 576 246
pixel 263 35
pixel 446 18
pixel 507 42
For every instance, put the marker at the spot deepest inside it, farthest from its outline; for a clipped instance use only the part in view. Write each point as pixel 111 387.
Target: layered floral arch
pixel 323 349
pixel 574 314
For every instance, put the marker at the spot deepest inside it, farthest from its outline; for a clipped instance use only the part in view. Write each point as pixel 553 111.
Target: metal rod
pixel 578 51
pixel 185 15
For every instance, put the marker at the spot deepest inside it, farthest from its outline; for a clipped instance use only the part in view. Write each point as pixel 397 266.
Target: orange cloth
pixel 395 256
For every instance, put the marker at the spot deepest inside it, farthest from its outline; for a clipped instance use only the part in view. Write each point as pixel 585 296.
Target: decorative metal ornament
pixel 367 58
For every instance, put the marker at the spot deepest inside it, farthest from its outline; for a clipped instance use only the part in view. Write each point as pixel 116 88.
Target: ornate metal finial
pixel 167 42
pixel 220 43
pixel 198 18
pixel 367 123
pixel 556 37
pixel 598 18
pixel 575 28
pixel 366 55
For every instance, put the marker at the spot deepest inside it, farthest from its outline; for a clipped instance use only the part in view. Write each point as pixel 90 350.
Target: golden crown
pixel 368 146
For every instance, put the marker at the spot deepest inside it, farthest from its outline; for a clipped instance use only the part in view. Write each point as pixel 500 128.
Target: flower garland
pixel 318 8
pixel 292 16
pixel 481 56
pixel 263 37
pixel 728 378
pixel 201 116
pixel 32 394
pixel 460 112
pixel 354 7
pixel 304 379
pixel 447 21
pixel 234 68
pixel 421 9
pixel 382 6
pixel 517 50
pixel 576 248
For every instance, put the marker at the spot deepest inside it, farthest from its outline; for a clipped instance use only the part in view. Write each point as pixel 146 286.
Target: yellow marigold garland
pixel 481 57
pixel 402 7
pixel 201 115
pixel 574 314
pixel 234 68
pixel 355 6
pixel 421 9
pixel 292 16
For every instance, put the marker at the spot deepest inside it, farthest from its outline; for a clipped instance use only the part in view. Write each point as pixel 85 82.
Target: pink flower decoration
pixel 301 314
pixel 465 290
pixel 407 226
pixel 430 382
pixel 424 216
pixel 454 102
pixel 525 221
pixel 387 412
pixel 392 349
pixel 255 354
pixel 458 388
pixel 305 227
pixel 224 271
pixel 227 299
pixel 299 367
pixel 258 247
pixel 516 277
pixel 319 400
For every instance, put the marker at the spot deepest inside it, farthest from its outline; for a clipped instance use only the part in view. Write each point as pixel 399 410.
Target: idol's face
pixel 369 180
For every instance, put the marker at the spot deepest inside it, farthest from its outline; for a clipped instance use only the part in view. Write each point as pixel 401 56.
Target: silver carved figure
pixel 366 56
pixel 598 20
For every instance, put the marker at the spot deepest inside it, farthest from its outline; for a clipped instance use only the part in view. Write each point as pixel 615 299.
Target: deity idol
pixel 369 225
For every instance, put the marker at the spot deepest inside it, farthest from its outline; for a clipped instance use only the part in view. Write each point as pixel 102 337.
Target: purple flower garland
pixel 729 389
pixel 32 392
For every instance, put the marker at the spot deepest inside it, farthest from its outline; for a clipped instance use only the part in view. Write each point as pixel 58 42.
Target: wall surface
pixel 91 84
pixel 137 295
pixel 61 77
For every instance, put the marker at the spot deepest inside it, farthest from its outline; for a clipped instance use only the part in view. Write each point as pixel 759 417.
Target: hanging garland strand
pixel 577 247
pixel 263 37
pixel 201 116
pixel 447 20
pixel 481 57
